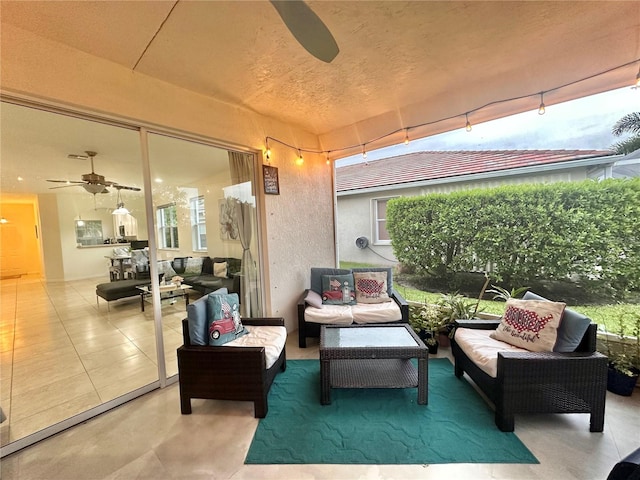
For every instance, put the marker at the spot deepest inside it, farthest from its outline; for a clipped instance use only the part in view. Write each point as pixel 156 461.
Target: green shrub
pixel 586 231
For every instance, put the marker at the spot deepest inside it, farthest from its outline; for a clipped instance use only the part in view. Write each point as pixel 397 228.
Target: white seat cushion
pixel 271 337
pixel 376 312
pixel 333 314
pixel 482 349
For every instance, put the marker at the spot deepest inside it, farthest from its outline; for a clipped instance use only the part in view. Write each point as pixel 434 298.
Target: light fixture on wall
pixel 80 222
pixel 3 220
pixel 120 208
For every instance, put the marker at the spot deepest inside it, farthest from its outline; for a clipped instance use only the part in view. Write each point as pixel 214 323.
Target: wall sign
pixel 271 185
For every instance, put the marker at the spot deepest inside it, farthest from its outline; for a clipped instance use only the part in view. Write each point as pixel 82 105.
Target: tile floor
pixel 149 438
pixel 62 354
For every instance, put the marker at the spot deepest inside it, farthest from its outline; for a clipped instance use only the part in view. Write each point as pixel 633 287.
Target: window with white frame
pixel 198 224
pixel 381 235
pixel 167 220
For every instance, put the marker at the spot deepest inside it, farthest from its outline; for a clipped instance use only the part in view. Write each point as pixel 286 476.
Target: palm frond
pixel 627 146
pixel 630 123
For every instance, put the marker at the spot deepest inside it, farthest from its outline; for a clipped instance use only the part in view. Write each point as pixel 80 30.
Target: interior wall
pixel 19 246
pixel 299 223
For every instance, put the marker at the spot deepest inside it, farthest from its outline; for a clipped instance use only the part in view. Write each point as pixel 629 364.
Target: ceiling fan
pixel 307 28
pixel 91 182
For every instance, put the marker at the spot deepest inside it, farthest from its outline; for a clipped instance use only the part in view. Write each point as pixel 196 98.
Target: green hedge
pixel 585 231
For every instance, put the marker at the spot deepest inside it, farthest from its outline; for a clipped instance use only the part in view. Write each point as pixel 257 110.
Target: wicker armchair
pixel 544 382
pixel 227 373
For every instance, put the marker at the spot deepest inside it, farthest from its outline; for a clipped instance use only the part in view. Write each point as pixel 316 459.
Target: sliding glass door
pixel 81 314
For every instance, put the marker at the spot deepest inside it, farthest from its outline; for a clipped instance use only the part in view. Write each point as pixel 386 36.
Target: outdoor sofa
pixel 314 309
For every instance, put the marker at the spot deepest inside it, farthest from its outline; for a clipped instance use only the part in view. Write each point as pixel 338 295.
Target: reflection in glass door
pixel 204 208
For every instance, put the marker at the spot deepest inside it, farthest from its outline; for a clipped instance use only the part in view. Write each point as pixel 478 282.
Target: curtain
pixel 241 168
pixel 249 301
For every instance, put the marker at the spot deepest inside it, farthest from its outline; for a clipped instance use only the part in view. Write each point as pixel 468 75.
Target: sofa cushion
pixel 573 326
pixel 272 338
pixel 371 287
pixel 530 324
pixel 482 349
pixel 194 266
pixel 338 290
pixel 207 266
pixel 164 267
pixel 223 317
pixel 234 265
pixel 317 274
pixel 197 319
pixel 376 312
pixel 220 269
pixel 386 270
pixel 329 314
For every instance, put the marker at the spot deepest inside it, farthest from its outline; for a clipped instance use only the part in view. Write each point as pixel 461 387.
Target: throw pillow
pixel 224 318
pixel 197 319
pixel 573 326
pixel 220 270
pixel 164 267
pixel 371 287
pixel 338 290
pixel 314 299
pixel 194 266
pixel 530 324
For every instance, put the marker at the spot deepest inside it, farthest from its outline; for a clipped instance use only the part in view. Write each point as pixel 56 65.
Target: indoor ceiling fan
pixel 91 182
pixel 307 28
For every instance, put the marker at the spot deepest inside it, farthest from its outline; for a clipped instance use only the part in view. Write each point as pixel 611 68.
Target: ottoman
pixel 120 289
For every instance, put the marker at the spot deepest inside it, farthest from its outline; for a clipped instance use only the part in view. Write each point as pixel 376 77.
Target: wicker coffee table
pixel 371 356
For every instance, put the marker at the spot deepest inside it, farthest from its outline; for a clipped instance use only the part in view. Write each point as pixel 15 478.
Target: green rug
pixel 380 426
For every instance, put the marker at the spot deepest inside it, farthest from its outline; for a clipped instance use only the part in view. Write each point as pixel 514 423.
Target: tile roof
pixel 423 166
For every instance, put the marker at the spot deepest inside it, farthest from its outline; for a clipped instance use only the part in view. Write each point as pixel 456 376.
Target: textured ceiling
pixel 400 63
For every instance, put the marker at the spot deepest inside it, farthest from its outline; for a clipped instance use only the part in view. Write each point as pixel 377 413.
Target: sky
pixel 581 124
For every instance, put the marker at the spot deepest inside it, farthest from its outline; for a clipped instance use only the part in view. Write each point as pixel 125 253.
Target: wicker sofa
pixel 242 372
pixel 309 327
pixel 538 382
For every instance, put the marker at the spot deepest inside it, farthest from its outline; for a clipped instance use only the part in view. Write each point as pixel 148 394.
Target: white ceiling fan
pixel 91 182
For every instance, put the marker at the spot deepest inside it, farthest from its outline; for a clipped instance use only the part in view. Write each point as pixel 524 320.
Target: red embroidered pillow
pixel 530 324
pixel 371 287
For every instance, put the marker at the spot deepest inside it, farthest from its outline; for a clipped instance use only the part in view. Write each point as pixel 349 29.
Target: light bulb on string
pixel 541 108
pixel 468 126
pixel 364 152
pixel 406 136
pixel 267 153
pixel 637 85
pixel 299 160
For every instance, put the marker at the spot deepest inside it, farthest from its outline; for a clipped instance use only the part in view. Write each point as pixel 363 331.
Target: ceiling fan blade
pixel 124 187
pixel 65 186
pixel 308 29
pixel 66 181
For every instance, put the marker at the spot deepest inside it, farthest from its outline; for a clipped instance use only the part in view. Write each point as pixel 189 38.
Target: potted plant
pixel 623 355
pixel 455 307
pixel 427 320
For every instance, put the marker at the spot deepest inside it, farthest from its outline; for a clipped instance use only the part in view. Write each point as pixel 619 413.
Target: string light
pixel 468 126
pixel 267 153
pixel 541 108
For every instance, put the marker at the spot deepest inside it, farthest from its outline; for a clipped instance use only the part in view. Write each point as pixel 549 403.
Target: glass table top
pixel 368 337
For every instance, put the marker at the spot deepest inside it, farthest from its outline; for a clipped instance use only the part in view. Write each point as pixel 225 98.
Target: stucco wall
pixel 355 216
pixel 299 223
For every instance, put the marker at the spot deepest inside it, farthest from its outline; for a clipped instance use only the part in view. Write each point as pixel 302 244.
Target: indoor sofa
pixel 205 274
pixel 317 306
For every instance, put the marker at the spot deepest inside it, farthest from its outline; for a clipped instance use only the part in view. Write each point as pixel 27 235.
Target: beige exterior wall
pixel 355 215
pixel 298 224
